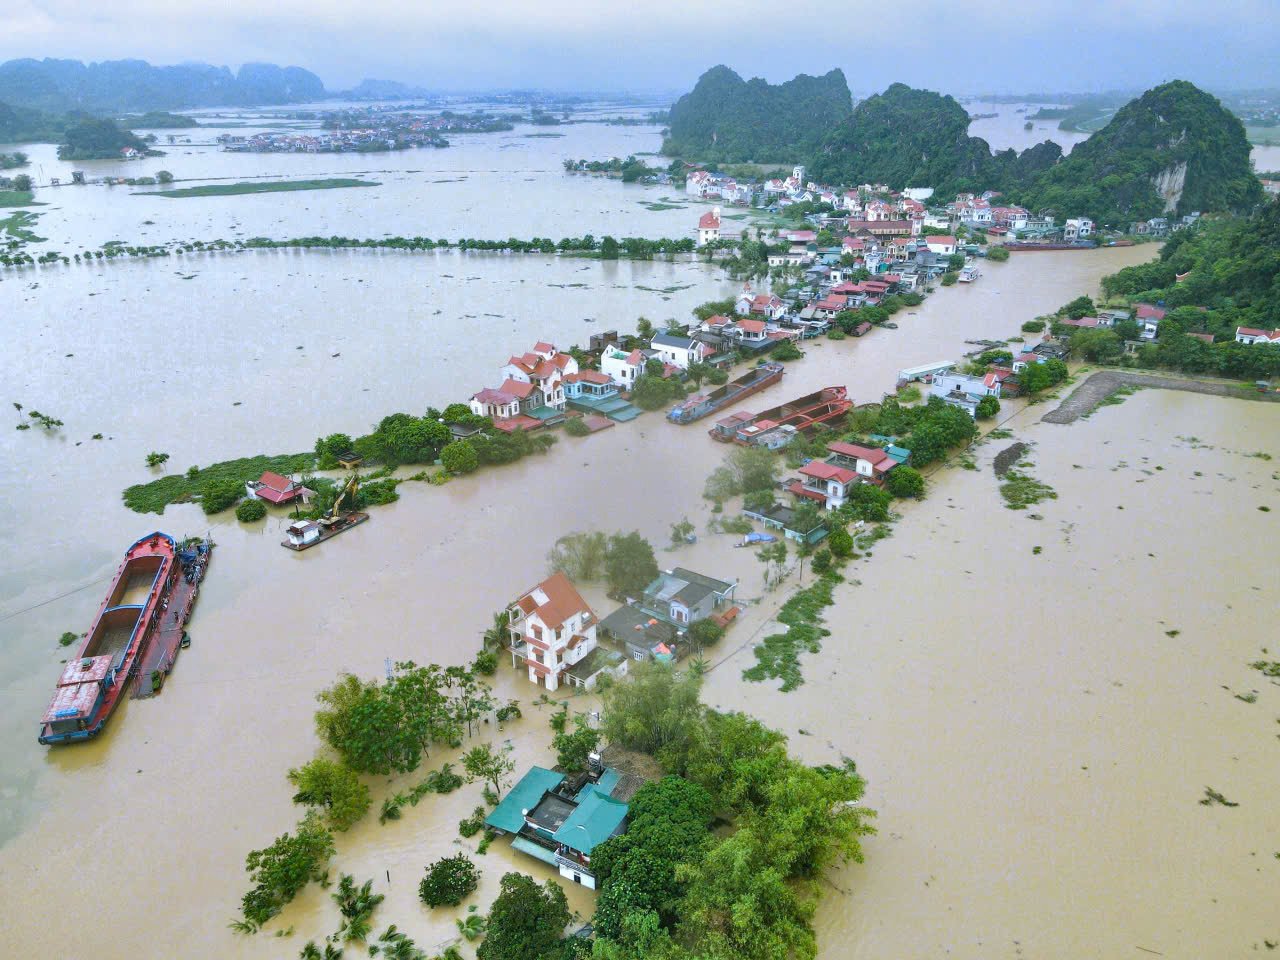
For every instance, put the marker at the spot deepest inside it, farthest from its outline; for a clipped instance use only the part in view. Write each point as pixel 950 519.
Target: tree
pixel 1039 376
pixel 489 766
pixel 448 881
pixel 251 511
pixel 1079 307
pixel 279 871
pixel 705 633
pixel 157 459
pixel 608 248
pixel 526 921
pixel 580 556
pixel 997 254
pixel 459 457
pixel 572 749
pixel 333 787
pixel 987 408
pixel 840 543
pixel 955 261
pixel 329 448
pixel 381 729
pixel 787 350
pixel 681 531
pixel 644 329
pixel 655 712
pixel 653 392
pixel 904 481
pixel 1098 345
pixel 23 183
pixel 949 278
pixel 630 564
pixel 164 176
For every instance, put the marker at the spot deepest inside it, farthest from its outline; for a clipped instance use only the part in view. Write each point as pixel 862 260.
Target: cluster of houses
pixel 372 139
pixel 554 635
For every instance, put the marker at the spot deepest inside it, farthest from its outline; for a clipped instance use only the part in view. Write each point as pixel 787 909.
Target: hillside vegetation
pixel 915 138
pixel 1176 149
pixel 727 119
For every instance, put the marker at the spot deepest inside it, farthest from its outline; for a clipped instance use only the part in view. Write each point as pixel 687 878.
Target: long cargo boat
pixel 700 405
pixel 1032 245
pixel 776 426
pixel 149 599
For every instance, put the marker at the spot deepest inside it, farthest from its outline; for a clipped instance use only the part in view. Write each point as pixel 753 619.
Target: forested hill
pixel 917 138
pixel 115 86
pixel 727 119
pixel 1175 149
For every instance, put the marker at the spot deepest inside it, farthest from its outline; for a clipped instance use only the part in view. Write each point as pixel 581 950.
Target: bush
pixel 988 407
pixel 821 561
pixel 718 377
pixel 471 826
pixel 577 427
pixel 251 511
pixel 459 457
pixel 705 633
pixel 840 543
pixel 835 333
pixel 997 254
pixel 334 788
pixel 486 663
pixel 156 459
pixel 448 881
pixel 1033 326
pixel 787 350
pixel 904 481
pixel 217 495
pixel 949 278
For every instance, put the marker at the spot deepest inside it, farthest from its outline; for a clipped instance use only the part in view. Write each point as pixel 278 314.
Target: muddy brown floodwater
pixel 1034 742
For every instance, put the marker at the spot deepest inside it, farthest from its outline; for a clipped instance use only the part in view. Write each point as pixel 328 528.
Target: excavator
pixel 347 496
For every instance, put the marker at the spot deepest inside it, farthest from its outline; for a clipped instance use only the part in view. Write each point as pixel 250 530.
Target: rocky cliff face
pixel 1169 183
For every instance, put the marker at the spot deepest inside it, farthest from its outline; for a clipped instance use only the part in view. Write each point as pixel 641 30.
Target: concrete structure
pixel 551 628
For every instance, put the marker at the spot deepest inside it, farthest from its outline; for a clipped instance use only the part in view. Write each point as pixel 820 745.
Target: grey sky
pixel 956 47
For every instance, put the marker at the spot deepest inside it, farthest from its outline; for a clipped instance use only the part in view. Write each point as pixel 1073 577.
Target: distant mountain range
pixel 120 86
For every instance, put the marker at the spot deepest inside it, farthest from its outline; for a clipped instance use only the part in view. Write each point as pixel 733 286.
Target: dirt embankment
pixel 1007 457
pixel 1086 397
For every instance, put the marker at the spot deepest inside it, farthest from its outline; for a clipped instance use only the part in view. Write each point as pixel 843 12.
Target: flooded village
pixel 1038 699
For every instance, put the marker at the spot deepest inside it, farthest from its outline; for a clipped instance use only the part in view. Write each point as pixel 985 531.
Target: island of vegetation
pixel 260 186
pixel 728 119
pixel 157 120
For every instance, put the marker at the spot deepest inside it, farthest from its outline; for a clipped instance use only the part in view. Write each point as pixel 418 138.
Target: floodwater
pixel 1038 729
pixel 958 689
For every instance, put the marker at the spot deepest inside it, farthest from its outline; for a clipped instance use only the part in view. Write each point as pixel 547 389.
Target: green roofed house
pixel 561 819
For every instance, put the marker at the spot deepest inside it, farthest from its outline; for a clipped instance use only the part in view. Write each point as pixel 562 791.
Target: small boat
pixel 969 274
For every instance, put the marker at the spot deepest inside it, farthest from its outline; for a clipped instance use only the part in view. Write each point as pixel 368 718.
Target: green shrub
pixel 577 427
pixel 68 638
pixel 997 254
pixel 448 881
pixel 904 481
pixel 251 511
pixel 218 495
pixel 471 826
pixel 459 457
pixel 1033 326
pixel 988 407
pixel 949 278
pixel 840 543
pixel 486 663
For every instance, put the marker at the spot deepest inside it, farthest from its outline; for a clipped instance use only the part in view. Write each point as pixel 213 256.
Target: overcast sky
pixel 662 45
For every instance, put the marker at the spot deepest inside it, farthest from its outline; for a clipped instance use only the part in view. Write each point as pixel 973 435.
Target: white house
pixel 551 628
pixel 679 351
pixel 826 483
pixel 622 367
pixel 545 368
pixel 869 463
pixel 964 391
pixel 943 246
pixel 1077 228
pixel 1252 335
pixel 709 227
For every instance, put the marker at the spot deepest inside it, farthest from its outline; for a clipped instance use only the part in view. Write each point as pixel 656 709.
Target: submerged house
pixel 277 490
pixel 561 819
pixel 681 597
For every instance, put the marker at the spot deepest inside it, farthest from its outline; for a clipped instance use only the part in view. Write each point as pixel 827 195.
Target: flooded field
pixel 1039 702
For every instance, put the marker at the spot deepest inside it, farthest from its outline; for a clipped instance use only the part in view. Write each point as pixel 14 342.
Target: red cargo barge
pixel 785 420
pixel 135 620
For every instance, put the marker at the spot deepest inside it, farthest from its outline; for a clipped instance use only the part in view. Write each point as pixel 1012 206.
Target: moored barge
pixel 150 597
pixel 776 426
pixel 700 405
